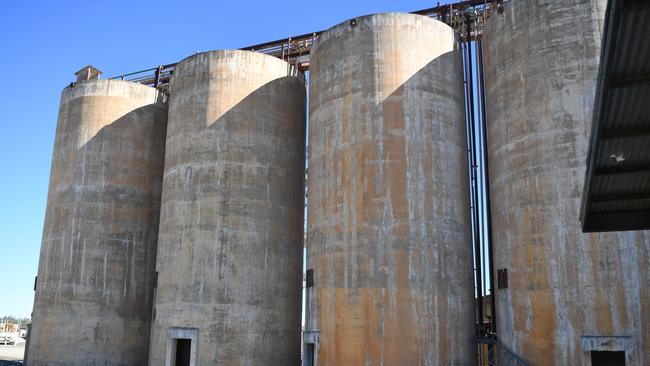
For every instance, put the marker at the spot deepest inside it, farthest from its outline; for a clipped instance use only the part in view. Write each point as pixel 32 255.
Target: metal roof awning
pixel 616 194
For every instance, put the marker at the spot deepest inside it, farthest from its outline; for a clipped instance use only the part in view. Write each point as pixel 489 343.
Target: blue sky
pixel 43 43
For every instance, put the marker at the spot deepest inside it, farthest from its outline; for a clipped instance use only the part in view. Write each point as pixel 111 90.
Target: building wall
pixel 388 217
pixel 97 265
pixel 231 227
pixel 567 290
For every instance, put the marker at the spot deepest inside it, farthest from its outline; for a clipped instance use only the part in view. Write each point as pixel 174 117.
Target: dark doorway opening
pixel 607 358
pixel 309 355
pixel 183 348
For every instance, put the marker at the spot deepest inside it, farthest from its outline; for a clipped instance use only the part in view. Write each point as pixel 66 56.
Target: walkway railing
pixel 467 16
pixel 491 352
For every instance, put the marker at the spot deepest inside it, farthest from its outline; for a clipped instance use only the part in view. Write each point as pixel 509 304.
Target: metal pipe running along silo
pixel 94 290
pixel 231 232
pixel 389 251
pixel 570 296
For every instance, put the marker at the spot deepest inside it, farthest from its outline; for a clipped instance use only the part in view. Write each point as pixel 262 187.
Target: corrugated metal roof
pixel 617 184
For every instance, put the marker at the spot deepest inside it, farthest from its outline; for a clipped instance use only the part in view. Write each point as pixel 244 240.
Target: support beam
pixel 617 221
pixel 631 81
pixel 635 5
pixel 626 133
pixel 623 169
pixel 621 197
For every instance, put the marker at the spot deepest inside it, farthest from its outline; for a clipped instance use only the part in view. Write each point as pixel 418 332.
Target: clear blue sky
pixel 43 43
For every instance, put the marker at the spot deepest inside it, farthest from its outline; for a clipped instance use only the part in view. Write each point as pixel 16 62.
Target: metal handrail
pixel 132 73
pixel 295 50
pixel 491 352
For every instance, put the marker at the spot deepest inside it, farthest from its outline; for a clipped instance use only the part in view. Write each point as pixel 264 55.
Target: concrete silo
pixel 389 252
pixel 568 295
pixel 231 233
pixel 96 275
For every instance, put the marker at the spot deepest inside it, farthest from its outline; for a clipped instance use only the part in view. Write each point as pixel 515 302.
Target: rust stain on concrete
pixel 563 285
pixel 231 237
pixel 96 271
pixel 388 202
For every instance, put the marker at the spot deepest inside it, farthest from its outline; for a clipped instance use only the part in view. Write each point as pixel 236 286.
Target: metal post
pixel 157 79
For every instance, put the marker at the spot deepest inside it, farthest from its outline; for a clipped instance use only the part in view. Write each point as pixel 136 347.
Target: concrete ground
pixel 12 355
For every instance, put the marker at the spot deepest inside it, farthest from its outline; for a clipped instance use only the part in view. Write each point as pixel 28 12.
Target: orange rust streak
pixel 542 324
pixel 603 311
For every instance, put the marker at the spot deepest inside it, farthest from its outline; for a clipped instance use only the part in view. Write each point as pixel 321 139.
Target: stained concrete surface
pixel 231 227
pixel 388 218
pixel 565 287
pixel 97 265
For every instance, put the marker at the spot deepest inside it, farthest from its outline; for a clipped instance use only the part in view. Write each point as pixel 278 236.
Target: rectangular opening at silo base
pixel 182 345
pixel 607 358
pixel 182 348
pixel 309 354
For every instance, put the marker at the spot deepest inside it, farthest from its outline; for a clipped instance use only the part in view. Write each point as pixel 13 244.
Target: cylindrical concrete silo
pixel 388 217
pixel 97 267
pixel 568 293
pixel 231 232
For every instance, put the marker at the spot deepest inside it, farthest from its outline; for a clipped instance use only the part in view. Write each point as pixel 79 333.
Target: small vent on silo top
pixel 309 278
pixel 502 278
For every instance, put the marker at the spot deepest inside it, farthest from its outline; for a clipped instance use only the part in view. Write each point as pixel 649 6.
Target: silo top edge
pixel 230 53
pixel 111 88
pixel 377 18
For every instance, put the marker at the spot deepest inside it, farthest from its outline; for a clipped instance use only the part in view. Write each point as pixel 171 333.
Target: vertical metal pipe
pixel 487 189
pixel 464 46
pixel 472 133
pixel 469 156
pixel 478 166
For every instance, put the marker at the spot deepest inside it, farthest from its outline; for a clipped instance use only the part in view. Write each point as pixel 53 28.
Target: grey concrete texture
pixel 97 264
pixel 541 64
pixel 231 227
pixel 388 211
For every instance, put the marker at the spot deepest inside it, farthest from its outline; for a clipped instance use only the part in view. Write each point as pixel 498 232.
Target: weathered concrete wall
pixel 97 265
pixel 541 66
pixel 388 218
pixel 231 232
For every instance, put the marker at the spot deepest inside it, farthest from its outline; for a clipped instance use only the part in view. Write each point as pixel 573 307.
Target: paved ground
pixel 12 353
pixel 11 363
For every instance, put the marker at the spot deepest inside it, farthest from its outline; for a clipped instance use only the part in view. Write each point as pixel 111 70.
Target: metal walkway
pixel 295 50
